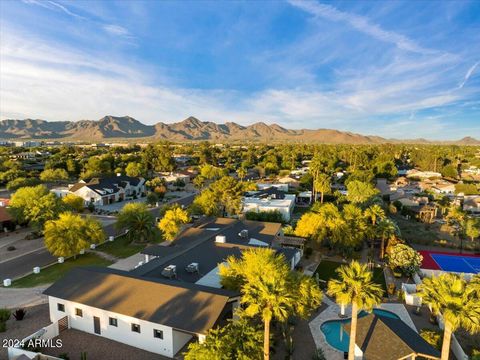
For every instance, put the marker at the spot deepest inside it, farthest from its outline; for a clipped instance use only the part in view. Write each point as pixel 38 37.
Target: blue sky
pixel 396 69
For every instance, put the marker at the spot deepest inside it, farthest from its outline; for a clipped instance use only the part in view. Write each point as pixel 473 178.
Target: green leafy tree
pixel 472 228
pixel 239 339
pixel 96 166
pixel 70 233
pixel 222 196
pixel 53 175
pixel 356 287
pixel 405 258
pixel 450 171
pixel 360 192
pixel 138 221
pixel 34 205
pixel 135 169
pixel 11 174
pixel 269 289
pixel 172 221
pixel 21 182
pixel 456 300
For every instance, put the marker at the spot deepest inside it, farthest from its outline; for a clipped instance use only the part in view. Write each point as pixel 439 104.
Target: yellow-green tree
pixel 74 202
pixel 172 221
pixel 356 287
pixel 34 205
pixel 456 300
pixel 70 233
pixel 269 289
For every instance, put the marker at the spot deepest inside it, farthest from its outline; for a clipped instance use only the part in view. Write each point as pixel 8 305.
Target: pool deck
pixel 331 313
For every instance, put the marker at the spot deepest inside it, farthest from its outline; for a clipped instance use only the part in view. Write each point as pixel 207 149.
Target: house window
pixel 113 321
pixel 157 334
pixel 61 307
pixel 79 312
pixel 136 328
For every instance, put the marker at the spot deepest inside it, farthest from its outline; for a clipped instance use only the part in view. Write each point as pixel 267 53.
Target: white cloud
pixel 116 30
pixel 361 24
pixel 469 74
pixel 55 6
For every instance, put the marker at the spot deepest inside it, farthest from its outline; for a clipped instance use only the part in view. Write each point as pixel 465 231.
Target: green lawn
pixel 326 271
pixel 121 247
pixel 54 272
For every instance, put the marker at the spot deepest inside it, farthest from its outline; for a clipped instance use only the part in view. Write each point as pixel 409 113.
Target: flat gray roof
pixel 184 306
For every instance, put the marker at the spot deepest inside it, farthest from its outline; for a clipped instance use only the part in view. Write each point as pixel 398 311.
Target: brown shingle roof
pixel 384 338
pixel 183 306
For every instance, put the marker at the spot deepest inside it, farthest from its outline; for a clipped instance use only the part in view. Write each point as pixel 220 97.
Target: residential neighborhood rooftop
pixel 184 306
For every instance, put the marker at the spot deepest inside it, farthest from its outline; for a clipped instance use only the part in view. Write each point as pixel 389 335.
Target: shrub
pixel 4 315
pixel 433 337
pixel 19 314
pixel 319 355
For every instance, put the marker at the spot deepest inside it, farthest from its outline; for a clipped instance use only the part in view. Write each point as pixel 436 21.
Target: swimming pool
pixel 338 338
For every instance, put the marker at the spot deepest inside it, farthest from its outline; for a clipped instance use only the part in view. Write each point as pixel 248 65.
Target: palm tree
pixel 241 173
pixel 322 185
pixel 457 301
pixel 269 289
pixel 355 286
pixel 374 213
pixel 138 220
pixel 386 229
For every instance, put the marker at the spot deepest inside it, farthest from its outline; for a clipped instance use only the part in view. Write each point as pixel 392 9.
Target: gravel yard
pixel 36 318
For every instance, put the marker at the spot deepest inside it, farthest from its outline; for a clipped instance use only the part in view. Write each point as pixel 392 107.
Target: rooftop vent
pixel 243 234
pixel 221 239
pixel 170 271
pixel 192 268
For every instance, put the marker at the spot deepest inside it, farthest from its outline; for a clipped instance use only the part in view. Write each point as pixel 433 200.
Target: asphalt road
pixel 22 265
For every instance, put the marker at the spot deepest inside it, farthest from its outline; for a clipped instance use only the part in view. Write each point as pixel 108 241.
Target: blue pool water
pixel 337 337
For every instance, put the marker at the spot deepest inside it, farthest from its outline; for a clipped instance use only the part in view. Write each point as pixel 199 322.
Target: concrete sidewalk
pixel 129 263
pixel 13 298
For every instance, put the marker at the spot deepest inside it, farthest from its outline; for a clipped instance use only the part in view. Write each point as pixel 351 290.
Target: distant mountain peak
pixel 191 128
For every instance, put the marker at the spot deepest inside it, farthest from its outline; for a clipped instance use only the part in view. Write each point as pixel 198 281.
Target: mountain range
pixel 190 129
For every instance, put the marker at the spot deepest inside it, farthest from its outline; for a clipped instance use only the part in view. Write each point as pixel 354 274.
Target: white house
pixel 269 199
pixel 445 189
pixel 104 191
pixel 159 316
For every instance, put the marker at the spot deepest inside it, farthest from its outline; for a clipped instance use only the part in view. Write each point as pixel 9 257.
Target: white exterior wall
pixel 86 194
pixel 284 206
pixel 122 333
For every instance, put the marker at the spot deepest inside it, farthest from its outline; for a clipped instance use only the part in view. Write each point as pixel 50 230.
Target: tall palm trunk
pixel 382 248
pixel 447 335
pixel 372 240
pixel 266 340
pixel 353 333
pixel 321 197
